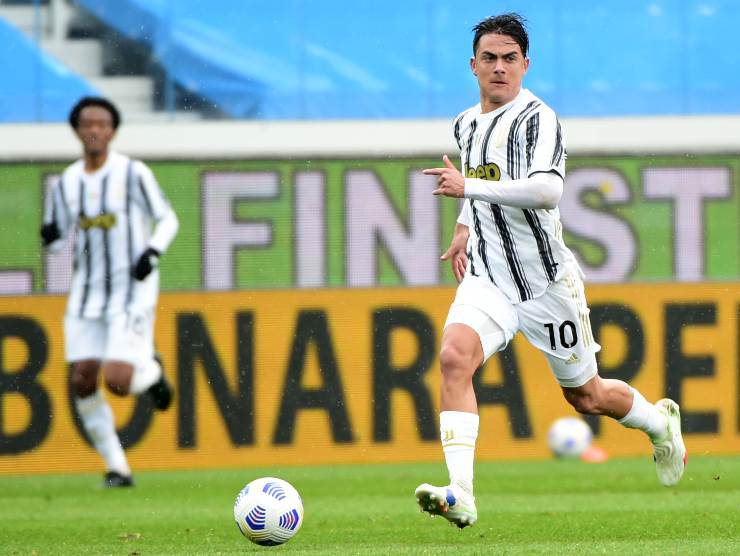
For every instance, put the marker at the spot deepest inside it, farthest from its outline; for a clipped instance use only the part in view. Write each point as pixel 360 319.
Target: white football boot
pixel 669 453
pixel 450 502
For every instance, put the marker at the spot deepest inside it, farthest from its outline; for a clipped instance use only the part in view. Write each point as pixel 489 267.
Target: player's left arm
pixel 165 220
pixel 544 151
pixel 541 190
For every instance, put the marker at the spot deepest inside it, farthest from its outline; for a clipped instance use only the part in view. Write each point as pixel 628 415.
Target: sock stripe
pixel 445 446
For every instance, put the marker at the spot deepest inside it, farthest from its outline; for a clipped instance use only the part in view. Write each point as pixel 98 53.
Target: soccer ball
pixel 268 511
pixel 569 437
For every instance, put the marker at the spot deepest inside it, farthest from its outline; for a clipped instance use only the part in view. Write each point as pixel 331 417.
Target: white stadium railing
pixel 366 138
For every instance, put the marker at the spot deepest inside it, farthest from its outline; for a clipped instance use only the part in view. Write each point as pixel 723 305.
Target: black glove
pixel 147 262
pixel 50 233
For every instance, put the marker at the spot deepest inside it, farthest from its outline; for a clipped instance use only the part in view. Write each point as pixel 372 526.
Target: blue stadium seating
pixel 297 59
pixel 35 86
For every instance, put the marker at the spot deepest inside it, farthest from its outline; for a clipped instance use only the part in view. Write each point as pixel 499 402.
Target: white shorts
pixel 557 323
pixel 127 337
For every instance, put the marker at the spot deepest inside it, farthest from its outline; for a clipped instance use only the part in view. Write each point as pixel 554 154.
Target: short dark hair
pixel 74 115
pixel 511 24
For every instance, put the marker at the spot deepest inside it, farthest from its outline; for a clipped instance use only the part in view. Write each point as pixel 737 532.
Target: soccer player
pixel 122 224
pixel 516 274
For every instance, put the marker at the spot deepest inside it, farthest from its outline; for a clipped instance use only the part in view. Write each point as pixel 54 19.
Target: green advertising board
pixel 259 224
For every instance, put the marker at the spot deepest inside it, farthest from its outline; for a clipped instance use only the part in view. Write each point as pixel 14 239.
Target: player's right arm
pixel 457 252
pixel 55 223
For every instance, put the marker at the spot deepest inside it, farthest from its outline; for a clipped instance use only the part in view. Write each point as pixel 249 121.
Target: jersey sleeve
pixel 544 144
pixel 155 203
pixel 148 193
pixel 55 212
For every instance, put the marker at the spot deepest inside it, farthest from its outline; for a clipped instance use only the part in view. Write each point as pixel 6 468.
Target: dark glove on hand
pixel 147 262
pixel 50 233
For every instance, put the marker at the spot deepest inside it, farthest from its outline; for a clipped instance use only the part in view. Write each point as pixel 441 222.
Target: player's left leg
pixel 660 421
pixel 558 324
pixel 132 366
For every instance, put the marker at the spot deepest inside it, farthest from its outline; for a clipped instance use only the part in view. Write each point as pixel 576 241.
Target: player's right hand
pixel 49 233
pixel 458 256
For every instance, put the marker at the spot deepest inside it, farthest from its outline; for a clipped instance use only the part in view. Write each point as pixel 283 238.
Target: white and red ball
pixel 569 437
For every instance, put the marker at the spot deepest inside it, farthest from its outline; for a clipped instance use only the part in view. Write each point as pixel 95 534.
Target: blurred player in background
pixel 122 224
pixel 515 272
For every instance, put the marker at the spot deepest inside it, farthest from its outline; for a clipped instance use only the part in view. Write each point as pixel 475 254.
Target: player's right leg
pixel 471 335
pixel 84 346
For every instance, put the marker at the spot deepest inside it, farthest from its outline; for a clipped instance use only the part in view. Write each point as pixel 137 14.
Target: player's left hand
pixel 146 263
pixel 450 183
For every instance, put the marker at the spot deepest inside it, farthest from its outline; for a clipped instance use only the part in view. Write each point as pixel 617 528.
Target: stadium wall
pixel 280 357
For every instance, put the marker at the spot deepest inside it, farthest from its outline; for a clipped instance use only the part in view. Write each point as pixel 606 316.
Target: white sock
pixel 459 431
pixel 645 416
pixel 97 418
pixel 145 374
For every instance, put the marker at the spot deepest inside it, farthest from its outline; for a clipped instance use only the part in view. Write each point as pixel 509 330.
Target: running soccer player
pixel 516 274
pixel 122 224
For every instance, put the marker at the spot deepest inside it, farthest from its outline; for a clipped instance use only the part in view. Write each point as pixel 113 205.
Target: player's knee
pixel 116 386
pixel 453 358
pixel 84 379
pixel 118 378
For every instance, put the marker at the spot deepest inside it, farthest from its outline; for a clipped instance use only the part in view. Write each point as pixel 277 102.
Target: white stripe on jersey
pixel 112 212
pixel 519 250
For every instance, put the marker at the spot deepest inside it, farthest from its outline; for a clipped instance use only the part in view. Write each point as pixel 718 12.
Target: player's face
pixel 499 65
pixel 95 129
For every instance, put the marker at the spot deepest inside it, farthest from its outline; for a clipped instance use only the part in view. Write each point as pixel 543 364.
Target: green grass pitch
pixel 524 507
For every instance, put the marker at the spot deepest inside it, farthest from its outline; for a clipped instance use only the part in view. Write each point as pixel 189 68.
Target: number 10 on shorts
pixel 567 329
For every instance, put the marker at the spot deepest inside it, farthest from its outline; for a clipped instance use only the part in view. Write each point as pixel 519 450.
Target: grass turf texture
pixel 532 507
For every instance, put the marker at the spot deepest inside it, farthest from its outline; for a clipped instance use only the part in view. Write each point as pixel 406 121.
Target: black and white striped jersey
pixel 520 250
pixel 114 214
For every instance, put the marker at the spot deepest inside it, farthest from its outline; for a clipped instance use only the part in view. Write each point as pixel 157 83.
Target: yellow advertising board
pixel 338 376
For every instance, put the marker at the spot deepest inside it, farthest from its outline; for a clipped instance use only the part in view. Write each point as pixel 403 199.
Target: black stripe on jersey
pixel 63 195
pixel 146 197
pixel 106 246
pixel 129 232
pixel 557 154
pixel 543 244
pixel 533 130
pixel 515 267
pixel 85 251
pixel 470 259
pixel 481 243
pixel 458 121
pixel 473 126
pixel 487 136
pixel 512 151
pixel 53 209
pixel 63 198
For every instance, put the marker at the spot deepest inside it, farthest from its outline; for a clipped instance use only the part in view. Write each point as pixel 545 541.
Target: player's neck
pixel 95 161
pixel 490 105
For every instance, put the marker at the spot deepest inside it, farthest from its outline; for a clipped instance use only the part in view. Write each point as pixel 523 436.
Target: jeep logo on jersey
pixel 104 221
pixel 489 171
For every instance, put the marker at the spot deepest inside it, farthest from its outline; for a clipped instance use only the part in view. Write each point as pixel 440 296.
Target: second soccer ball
pixel 569 437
